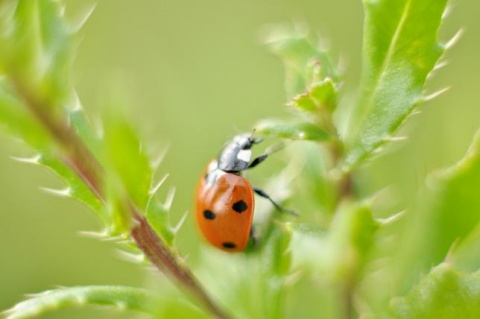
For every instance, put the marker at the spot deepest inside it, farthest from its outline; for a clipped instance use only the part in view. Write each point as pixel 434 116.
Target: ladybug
pixel 225 199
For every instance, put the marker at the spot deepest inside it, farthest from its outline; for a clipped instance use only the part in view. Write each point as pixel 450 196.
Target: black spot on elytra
pixel 229 245
pixel 208 214
pixel 239 206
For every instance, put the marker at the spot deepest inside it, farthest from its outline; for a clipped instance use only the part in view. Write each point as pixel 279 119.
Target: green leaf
pixel 400 49
pixel 126 159
pixel 293 130
pixel 116 296
pixel 16 118
pixel 341 253
pixel 271 257
pixel 7 11
pixel 304 102
pixel 456 209
pixel 304 61
pixel 315 179
pixel 260 289
pixel 274 260
pixel 37 49
pixel 335 258
pixel 117 207
pixel 158 218
pixel 325 94
pixel 81 124
pixel 443 294
pixel 320 97
pixel 76 187
pixel 447 213
pixel 353 235
pixel 128 172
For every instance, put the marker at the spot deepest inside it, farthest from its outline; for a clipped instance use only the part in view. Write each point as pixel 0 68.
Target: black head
pixel 236 155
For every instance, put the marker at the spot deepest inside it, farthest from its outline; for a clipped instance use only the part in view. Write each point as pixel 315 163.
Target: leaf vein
pixel 387 60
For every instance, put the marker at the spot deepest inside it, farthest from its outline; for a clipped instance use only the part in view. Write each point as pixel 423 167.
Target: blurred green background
pixel 194 74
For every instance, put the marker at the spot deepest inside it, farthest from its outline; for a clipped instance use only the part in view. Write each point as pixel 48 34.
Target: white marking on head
pixel 244 155
pixel 213 165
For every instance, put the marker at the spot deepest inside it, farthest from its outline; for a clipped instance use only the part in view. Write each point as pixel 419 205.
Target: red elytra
pixel 224 209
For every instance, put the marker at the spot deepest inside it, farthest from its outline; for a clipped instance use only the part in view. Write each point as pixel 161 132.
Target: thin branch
pixel 343 182
pixel 348 293
pixel 161 256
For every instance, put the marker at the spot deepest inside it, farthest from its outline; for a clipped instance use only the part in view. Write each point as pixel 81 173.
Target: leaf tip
pixel 456 37
pixel 396 139
pixel 391 219
pixel 131 257
pixel 451 251
pixel 83 18
pixel 76 103
pixel 441 64
pixel 155 189
pixel 66 192
pixel 167 204
pixel 293 278
pixel 160 157
pixel 29 160
pixel 92 234
pixel 446 12
pixel 436 94
pixel 181 221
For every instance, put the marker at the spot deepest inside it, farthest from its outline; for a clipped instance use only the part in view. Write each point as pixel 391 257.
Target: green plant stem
pixel 83 162
pixel 343 182
pixel 348 291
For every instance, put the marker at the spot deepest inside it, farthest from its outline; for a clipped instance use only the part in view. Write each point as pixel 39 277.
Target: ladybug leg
pixel 280 208
pixel 258 160
pixel 262 157
pixel 252 240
